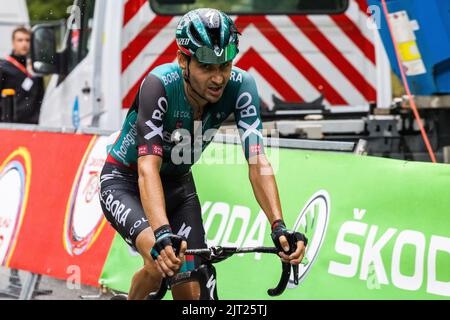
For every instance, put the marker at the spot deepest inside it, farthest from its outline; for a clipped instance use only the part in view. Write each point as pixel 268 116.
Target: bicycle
pixel 217 254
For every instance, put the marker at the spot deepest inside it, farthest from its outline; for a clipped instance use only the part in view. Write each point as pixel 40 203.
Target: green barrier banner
pixel 377 228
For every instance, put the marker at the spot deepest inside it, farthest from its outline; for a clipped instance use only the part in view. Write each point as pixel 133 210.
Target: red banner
pixel 50 217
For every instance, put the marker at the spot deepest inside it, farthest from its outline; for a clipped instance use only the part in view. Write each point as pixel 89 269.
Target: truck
pixel 12 15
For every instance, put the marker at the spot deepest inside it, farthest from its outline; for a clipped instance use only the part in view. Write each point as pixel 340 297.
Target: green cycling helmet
pixel 208 34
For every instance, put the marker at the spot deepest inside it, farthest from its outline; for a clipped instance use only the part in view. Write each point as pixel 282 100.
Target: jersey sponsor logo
pixel 161 110
pixel 170 77
pixel 245 106
pixel 181 114
pixel 158 150
pixel 249 129
pixel 143 150
pixel 157 115
pixel 247 110
pixel 155 130
pixel 128 140
pixel 136 225
pixel 255 149
pixel 117 209
pixel 236 76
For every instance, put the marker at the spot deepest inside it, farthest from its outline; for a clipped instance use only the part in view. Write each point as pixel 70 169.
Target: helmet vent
pixel 194 33
pixel 214 35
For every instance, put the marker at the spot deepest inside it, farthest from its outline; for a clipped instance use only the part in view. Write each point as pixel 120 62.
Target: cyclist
pixel 147 190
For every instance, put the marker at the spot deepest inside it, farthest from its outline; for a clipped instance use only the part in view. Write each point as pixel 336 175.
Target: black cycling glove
pixel 279 229
pixel 164 237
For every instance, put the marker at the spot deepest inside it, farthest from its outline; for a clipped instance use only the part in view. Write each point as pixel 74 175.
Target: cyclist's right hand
pixel 292 245
pixel 168 251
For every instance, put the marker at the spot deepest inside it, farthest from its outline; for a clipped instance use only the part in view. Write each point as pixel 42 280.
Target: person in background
pixel 15 74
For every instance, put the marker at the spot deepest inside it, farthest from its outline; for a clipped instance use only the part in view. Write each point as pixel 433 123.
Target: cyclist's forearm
pixel 265 189
pixel 152 197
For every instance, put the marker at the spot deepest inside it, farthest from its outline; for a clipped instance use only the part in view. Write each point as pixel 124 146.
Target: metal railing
pixel 21 285
pixel 305 144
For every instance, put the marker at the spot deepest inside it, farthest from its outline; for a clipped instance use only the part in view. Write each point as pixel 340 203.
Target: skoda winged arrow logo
pixel 313 222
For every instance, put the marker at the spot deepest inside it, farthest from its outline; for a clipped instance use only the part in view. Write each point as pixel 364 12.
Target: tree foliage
pixel 48 10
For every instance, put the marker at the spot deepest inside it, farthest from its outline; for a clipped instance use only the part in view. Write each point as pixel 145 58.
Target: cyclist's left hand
pixel 286 241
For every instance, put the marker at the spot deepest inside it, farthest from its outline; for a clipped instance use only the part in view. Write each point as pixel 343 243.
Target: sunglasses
pixel 217 56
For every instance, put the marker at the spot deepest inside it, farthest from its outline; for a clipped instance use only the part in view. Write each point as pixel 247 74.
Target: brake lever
pixel 295 269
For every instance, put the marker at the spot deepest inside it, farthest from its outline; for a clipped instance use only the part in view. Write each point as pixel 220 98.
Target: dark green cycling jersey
pixel 161 121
